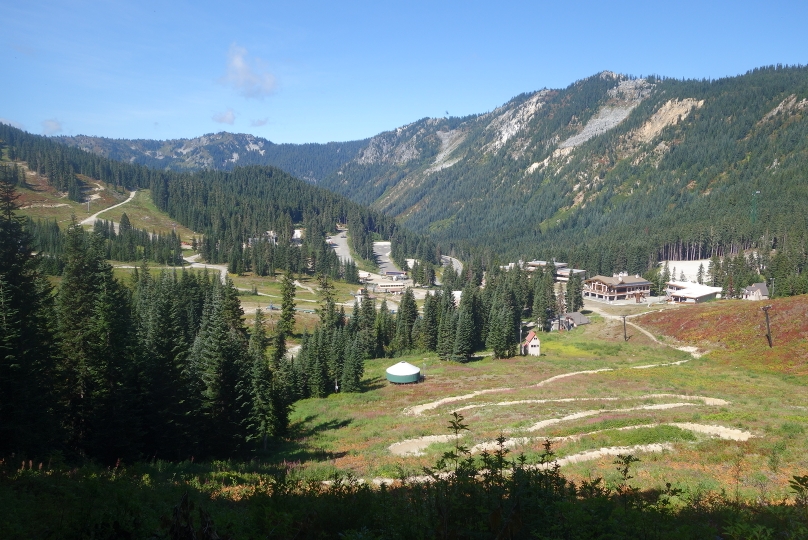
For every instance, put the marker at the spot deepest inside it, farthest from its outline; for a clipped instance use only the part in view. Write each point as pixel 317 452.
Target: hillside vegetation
pixel 230 210
pixel 736 332
pixel 611 173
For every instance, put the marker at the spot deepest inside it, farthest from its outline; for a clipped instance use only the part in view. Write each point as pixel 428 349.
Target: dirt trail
pixel 304 287
pixel 415 447
pixel 584 414
pixel 91 220
pixel 694 351
pixel 719 431
pixel 417 410
pixel 222 269
pixel 589 455
pixel 704 399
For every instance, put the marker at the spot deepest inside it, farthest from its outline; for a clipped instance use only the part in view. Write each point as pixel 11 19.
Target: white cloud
pixel 11 123
pixel 260 122
pixel 51 126
pixel 227 117
pixel 251 79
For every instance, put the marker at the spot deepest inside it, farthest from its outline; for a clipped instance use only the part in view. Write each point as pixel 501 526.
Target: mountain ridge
pixel 613 171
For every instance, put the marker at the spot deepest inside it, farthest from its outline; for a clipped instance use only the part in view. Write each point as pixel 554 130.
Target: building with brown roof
pixel 618 287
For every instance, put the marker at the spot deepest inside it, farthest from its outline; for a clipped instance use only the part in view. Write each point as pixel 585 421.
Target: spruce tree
pixel 464 334
pixel 429 328
pixel 98 370
pixel 220 354
pixel 261 379
pixel 405 319
pixel 354 368
pixel 446 327
pixel 27 398
pixel 287 319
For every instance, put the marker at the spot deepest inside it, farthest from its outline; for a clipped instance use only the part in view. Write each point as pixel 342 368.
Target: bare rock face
pixel 507 122
pixel 396 147
pixel 624 98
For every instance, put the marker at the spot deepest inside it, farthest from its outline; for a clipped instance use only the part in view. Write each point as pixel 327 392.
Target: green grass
pixel 362 426
pixel 143 214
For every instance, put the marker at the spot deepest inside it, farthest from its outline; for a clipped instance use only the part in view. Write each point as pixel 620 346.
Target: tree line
pixel 493 317
pixel 230 210
pixel 162 367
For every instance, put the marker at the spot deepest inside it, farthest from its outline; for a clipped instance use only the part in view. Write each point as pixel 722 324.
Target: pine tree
pixel 261 379
pixel 287 319
pixel 447 330
pixel 405 319
pixel 354 368
pixel 464 334
pixel 160 359
pixel 429 327
pixel 574 294
pixel 220 354
pixel 27 398
pixel 98 371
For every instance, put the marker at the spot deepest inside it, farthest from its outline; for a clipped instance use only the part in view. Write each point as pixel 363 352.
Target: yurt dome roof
pixel 403 369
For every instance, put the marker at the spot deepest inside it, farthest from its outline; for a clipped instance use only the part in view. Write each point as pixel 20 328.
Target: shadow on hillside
pixel 302 430
pixel 297 446
pixel 375 383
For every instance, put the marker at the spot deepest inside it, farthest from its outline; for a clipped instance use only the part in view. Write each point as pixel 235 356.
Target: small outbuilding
pixel 532 345
pixel 403 373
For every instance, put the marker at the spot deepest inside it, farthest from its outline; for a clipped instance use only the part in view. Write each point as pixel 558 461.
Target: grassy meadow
pixel 602 391
pixel 765 403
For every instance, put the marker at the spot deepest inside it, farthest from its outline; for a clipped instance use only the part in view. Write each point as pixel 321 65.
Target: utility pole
pixel 768 328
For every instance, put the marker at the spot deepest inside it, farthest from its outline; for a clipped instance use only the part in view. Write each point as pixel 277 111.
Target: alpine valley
pixel 611 173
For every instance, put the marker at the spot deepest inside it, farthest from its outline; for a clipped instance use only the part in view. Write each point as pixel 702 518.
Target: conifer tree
pixel 98 371
pixel 222 361
pixel 431 321
pixel 574 299
pixel 27 398
pixel 261 379
pixel 354 367
pixel 447 327
pixel 464 334
pixel 405 319
pixel 287 319
pixel 160 359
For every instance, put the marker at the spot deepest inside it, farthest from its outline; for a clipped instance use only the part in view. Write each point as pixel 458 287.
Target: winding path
pixel 91 220
pixel 694 352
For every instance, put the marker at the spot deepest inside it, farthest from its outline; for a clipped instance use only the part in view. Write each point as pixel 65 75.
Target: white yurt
pixel 403 373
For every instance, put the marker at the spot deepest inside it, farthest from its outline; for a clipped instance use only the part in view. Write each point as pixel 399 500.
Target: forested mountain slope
pixel 611 173
pixel 232 209
pixel 223 151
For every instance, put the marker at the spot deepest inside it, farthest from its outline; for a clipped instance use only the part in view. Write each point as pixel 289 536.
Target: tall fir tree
pixel 221 359
pixel 97 373
pixel 28 404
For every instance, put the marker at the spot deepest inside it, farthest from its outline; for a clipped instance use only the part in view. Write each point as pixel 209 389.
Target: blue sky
pixel 312 71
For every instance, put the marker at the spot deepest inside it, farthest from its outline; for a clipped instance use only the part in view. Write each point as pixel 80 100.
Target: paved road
pixel 340 245
pixel 446 260
pixel 381 250
pixel 221 268
pixel 91 220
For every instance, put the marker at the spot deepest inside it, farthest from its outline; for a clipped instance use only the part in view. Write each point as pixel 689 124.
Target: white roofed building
pixel 690 293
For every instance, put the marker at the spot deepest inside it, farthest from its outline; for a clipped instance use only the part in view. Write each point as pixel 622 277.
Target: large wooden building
pixel 617 287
